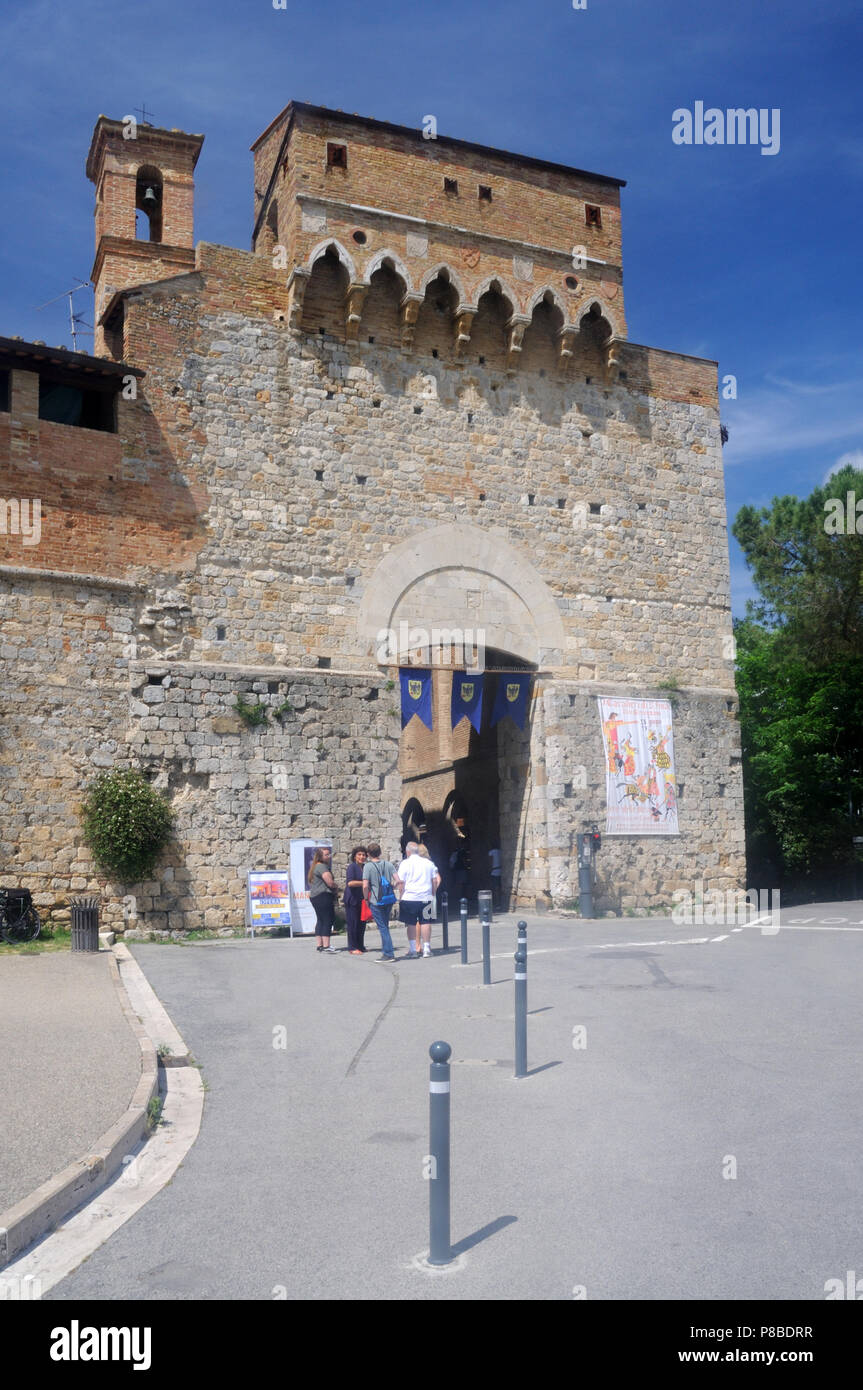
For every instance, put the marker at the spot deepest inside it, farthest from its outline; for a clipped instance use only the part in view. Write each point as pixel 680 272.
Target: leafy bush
pixel 253 715
pixel 126 824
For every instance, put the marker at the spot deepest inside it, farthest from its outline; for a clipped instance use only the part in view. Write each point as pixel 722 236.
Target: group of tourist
pixel 373 887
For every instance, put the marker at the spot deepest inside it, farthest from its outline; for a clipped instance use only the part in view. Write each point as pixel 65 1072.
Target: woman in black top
pixel 353 901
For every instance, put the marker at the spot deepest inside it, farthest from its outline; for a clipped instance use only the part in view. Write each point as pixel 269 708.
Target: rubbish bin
pixel 85 924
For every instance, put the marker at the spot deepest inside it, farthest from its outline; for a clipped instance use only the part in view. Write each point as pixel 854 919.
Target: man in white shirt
pixel 420 880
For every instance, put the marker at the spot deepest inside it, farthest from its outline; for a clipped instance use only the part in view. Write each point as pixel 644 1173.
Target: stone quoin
pixel 401 406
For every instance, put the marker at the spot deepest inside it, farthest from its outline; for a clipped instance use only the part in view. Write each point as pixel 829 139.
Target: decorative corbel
pixel 464 317
pixel 566 339
pixel 298 281
pixel 354 300
pixel 410 311
pixel 515 327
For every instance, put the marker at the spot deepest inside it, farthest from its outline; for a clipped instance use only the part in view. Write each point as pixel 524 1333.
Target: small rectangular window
pixel 337 156
pixel 592 215
pixel 484 193
pixel 450 185
pixel 75 405
pixel 4 391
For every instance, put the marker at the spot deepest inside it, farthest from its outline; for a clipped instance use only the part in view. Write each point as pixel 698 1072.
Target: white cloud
pixel 854 459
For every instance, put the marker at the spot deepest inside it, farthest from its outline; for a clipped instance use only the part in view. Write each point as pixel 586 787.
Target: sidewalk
pixel 70 1063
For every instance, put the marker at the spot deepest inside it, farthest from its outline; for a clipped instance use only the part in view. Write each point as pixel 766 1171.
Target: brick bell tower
pixel 145 193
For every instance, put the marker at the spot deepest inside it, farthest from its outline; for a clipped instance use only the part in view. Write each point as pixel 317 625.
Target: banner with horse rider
pixel 641 786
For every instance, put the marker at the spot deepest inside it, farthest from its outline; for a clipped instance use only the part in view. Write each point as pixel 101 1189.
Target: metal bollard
pixel 444 912
pixel 463 915
pixel 521 945
pixel 521 1012
pixel 440 1252
pixel 484 900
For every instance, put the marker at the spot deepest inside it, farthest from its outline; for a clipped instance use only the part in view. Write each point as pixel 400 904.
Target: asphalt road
pixel 704 1142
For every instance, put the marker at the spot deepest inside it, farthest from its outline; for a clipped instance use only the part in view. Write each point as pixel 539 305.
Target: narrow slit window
pixel 450 185
pixel 592 215
pixel 337 156
pixel 484 193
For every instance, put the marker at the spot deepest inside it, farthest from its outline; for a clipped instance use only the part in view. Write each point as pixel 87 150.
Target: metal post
pixel 521 1012
pixel 521 945
pixel 585 876
pixel 484 900
pixel 440 1252
pixel 444 912
pixel 463 915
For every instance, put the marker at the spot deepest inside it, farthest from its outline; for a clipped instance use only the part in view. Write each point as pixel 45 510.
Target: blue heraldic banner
pixel 416 695
pixel 511 698
pixel 466 698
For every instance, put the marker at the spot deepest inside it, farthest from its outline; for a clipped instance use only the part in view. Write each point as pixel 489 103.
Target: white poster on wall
pixel 302 913
pixel 641 785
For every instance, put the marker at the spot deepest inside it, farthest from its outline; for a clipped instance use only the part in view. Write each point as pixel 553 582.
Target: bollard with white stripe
pixel 521 1012
pixel 440 1252
pixel 463 915
pixel 521 945
pixel 484 903
pixel 444 912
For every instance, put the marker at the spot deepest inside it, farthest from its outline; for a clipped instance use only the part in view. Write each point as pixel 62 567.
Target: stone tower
pixel 144 211
pixel 411 407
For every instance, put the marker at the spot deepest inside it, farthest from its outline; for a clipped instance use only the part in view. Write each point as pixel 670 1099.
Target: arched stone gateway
pixel 456 596
pixel 459 577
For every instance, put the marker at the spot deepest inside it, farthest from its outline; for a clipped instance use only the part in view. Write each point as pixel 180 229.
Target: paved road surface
pixel 708 1050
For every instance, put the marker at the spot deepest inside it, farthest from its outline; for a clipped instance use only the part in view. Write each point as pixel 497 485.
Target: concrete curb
pixel 45 1208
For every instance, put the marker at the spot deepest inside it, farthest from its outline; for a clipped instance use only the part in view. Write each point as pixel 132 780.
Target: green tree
pixel 809 574
pixel 800 681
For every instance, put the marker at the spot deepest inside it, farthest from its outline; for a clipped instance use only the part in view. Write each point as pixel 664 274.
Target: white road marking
pixel 679 941
pixel 720 938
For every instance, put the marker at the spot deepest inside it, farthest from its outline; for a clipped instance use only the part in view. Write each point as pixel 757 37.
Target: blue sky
pixel 747 258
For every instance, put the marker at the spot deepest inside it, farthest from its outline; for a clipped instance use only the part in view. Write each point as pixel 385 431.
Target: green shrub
pixel 253 715
pixel 126 824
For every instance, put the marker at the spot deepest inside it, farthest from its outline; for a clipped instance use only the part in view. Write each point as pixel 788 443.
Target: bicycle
pixel 19 920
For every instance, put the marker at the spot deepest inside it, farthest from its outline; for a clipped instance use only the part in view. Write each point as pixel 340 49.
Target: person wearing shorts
pixel 419 879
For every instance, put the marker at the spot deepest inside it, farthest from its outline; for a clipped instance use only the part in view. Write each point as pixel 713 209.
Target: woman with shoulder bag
pixel 354 901
pixel 322 896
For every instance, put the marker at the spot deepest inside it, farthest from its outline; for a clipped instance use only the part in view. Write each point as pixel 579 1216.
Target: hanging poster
pixel 302 854
pixel 268 899
pixel 641 787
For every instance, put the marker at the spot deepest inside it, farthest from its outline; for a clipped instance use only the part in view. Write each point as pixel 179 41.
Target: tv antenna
pixel 143 111
pixel 77 324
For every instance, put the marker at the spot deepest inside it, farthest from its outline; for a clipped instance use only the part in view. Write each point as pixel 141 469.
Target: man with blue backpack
pixel 378 878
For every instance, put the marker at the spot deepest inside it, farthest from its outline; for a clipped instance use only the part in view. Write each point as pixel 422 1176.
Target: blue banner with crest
pixel 466 700
pixel 416 695
pixel 513 690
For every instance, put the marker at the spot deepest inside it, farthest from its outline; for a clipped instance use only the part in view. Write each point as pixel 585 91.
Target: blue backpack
pixel 386 896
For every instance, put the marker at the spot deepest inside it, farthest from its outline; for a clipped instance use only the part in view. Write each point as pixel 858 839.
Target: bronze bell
pixel 150 199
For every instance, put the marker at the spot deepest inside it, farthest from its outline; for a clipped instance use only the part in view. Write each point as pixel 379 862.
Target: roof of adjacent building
pixel 447 141
pixel 14 351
